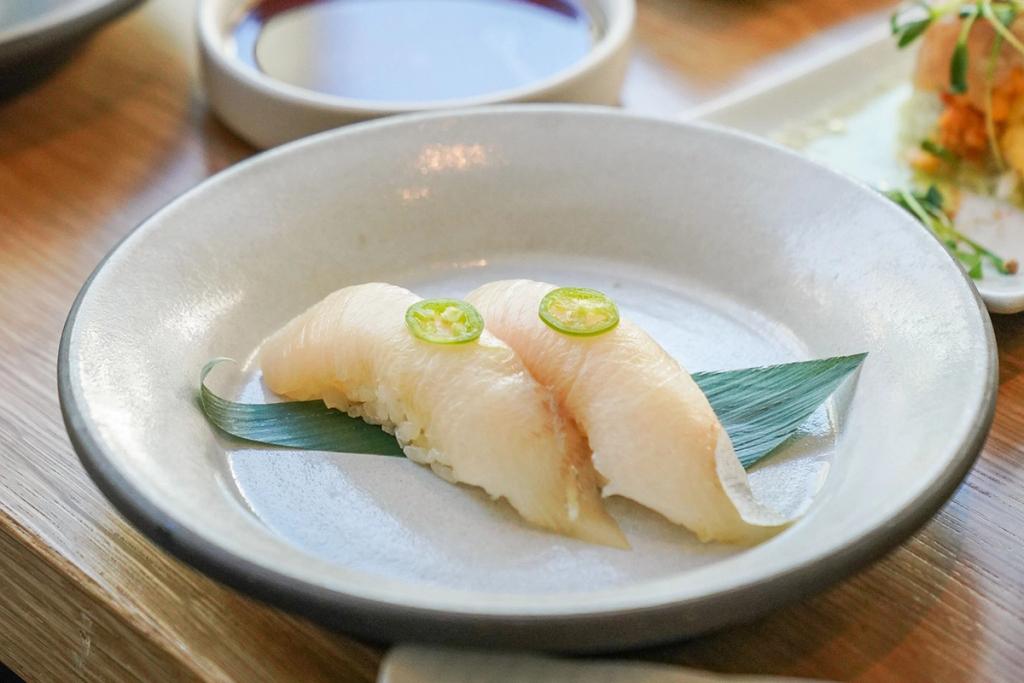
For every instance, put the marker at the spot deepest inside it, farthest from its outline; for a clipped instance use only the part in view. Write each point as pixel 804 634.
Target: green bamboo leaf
pixel 310 425
pixel 762 407
pixel 759 407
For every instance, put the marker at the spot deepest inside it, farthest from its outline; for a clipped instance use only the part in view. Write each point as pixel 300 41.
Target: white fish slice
pixel 655 437
pixel 470 411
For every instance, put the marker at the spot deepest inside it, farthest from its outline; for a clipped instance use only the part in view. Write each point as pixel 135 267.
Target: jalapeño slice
pixel 444 321
pixel 579 311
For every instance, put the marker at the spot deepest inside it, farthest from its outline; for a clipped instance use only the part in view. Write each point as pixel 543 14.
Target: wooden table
pixel 123 129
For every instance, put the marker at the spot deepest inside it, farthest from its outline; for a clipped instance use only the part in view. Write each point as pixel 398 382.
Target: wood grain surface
pixel 123 128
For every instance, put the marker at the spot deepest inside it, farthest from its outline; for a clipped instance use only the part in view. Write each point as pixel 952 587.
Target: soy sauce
pixel 413 50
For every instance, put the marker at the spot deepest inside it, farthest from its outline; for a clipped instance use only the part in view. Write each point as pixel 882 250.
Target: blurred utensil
pixel 417 664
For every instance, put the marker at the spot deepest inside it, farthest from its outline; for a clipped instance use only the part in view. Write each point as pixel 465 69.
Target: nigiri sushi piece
pixel 654 436
pixel 471 411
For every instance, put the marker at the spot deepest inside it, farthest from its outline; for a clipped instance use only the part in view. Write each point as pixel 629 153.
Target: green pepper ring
pixel 572 300
pixel 419 316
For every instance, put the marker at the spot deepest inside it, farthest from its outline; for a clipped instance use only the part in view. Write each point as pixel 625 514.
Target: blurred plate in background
pixel 843 109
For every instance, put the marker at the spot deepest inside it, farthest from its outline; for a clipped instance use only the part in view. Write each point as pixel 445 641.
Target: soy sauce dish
pixel 277 70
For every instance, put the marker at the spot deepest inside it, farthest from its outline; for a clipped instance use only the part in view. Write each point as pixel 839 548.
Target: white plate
pixel 732 252
pixel 857 91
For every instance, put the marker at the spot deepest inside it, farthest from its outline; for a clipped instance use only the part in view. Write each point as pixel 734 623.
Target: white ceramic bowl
pixel 267 112
pixel 730 251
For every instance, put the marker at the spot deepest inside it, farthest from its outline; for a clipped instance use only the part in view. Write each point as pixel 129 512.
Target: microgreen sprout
pixel 927 207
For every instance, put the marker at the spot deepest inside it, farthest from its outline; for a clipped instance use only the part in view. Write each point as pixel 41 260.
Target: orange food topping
pixel 961 126
pixel 924 161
